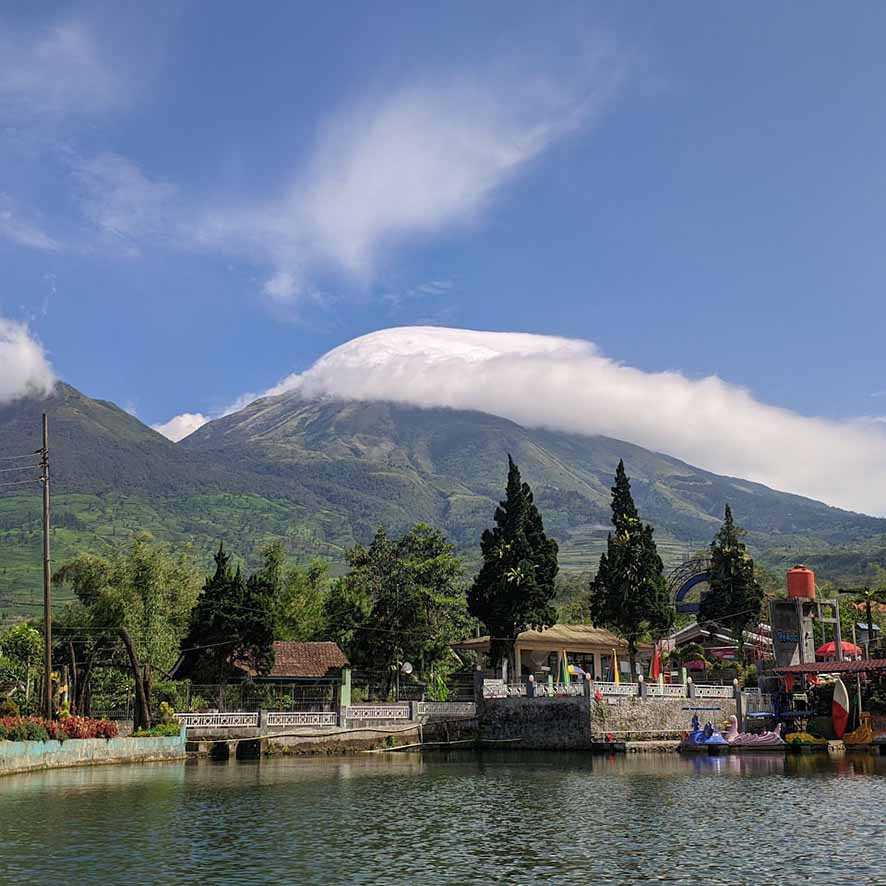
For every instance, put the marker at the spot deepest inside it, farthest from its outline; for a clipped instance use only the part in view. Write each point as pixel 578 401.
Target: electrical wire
pixel 22 468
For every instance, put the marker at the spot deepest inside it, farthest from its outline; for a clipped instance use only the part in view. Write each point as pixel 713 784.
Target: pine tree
pixel 233 621
pixel 628 594
pixel 515 586
pixel 735 597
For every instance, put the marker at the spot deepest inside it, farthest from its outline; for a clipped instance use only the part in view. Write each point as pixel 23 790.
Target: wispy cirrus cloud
pixel 23 231
pixel 381 171
pixel 125 204
pixel 398 165
pixel 57 71
pixel 409 164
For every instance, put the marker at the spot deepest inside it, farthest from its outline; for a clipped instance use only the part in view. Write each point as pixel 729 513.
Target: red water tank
pixel 801 582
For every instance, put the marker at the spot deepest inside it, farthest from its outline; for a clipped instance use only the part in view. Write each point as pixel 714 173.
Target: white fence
pixel 240 720
pixel 379 712
pixel 714 691
pixel 499 689
pixel 302 718
pixel 669 690
pixel 443 710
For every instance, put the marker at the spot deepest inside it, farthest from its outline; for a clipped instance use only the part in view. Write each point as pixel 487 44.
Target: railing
pixel 302 718
pixel 218 721
pixel 559 689
pixel 495 689
pixel 702 691
pixel 616 688
pixel 378 712
pixel 669 690
pixel 441 710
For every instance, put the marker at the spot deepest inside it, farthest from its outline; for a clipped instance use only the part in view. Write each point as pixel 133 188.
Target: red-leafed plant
pixel 38 729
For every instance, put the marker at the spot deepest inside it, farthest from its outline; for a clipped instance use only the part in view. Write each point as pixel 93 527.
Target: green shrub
pixel 169 730
pixel 8 708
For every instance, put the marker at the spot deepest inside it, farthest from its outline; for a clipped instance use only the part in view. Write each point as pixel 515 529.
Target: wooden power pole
pixel 47 578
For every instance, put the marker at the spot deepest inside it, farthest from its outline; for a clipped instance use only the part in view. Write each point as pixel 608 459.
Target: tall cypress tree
pixel 735 597
pixel 515 586
pixel 233 620
pixel 628 594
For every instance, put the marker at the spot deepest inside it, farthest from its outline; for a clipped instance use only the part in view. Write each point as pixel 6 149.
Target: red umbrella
pixel 830 649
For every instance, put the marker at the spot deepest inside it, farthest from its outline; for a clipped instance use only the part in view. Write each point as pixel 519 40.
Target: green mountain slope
pixel 396 464
pixel 324 474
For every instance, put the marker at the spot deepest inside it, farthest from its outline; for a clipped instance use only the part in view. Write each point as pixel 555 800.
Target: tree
pixel 22 648
pixel 140 598
pixel 628 594
pixel 515 587
pixel 735 596
pixel 233 621
pixel 401 601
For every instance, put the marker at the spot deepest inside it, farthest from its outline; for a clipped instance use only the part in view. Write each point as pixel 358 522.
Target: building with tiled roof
pixel 295 661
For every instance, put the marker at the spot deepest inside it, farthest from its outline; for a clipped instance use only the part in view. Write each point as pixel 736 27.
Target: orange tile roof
pixel 296 660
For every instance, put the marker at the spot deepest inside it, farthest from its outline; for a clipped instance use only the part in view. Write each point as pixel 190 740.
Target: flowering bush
pixel 84 727
pixel 38 729
pixel 22 729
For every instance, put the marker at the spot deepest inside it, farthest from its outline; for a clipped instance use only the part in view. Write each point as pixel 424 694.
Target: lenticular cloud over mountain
pixel 568 385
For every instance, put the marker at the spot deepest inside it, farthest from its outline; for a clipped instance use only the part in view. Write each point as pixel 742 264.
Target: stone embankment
pixel 28 756
pixel 580 723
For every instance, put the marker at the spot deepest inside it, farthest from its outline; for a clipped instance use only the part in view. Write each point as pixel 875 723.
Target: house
pixel 304 675
pixel 586 647
pixel 719 644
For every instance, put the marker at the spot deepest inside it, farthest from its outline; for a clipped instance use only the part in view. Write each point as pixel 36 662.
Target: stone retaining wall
pixel 26 756
pixel 576 723
pixel 655 718
pixel 550 723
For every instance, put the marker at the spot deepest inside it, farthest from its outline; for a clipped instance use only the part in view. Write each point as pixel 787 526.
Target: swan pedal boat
pixel 753 741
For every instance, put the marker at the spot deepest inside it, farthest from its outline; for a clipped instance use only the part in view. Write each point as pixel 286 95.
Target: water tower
pixel 791 619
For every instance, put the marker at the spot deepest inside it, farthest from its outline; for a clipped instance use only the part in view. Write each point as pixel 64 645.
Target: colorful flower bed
pixel 38 729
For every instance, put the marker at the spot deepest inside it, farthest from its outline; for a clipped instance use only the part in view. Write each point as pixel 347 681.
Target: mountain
pixel 382 462
pixel 323 474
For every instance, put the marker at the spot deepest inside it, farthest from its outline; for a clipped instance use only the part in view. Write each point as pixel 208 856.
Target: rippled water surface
pixel 459 818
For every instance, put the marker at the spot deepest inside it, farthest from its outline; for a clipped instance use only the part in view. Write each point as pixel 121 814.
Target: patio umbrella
pixel 830 649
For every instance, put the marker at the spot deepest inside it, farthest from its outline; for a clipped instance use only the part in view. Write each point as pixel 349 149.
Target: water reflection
pixel 496 816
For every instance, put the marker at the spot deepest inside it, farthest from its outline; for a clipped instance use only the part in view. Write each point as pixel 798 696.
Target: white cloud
pixel 411 163
pixel 24 369
pixel 180 426
pixel 568 385
pixel 22 231
pixel 58 71
pixel 282 286
pixel 121 201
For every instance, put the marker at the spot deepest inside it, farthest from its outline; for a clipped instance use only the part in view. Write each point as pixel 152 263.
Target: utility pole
pixel 47 577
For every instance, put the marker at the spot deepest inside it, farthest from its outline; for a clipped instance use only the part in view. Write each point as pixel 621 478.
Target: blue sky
pixel 197 200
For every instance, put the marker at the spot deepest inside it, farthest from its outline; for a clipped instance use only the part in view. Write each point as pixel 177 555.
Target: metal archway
pixel 684 578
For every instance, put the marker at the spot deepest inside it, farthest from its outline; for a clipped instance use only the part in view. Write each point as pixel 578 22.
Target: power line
pixel 22 468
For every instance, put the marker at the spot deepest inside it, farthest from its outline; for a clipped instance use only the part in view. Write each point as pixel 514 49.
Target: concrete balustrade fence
pixel 355 716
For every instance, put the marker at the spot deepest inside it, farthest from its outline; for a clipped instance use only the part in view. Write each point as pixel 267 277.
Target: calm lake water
pixel 458 818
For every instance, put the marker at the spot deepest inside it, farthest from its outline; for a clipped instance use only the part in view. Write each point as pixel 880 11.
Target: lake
pixel 455 818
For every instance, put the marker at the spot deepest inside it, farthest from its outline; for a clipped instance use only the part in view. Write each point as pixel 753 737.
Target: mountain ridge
pixel 324 473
